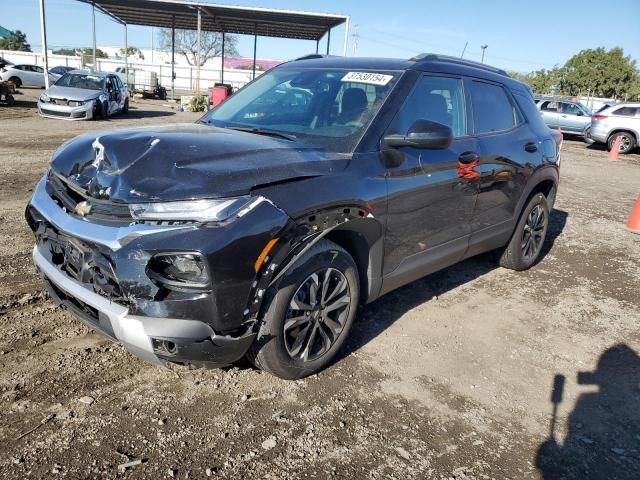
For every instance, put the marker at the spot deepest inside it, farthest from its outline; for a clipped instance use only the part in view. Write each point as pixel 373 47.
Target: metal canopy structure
pixel 263 22
pixel 225 19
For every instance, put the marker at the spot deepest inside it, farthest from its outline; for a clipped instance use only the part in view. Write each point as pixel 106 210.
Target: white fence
pixel 185 75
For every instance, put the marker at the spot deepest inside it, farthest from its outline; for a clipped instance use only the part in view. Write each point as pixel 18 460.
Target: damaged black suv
pixel 320 186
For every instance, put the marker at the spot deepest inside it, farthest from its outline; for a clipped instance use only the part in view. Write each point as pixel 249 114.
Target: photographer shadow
pixel 603 434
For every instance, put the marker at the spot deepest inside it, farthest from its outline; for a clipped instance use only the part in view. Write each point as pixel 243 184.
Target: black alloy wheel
pixel 317 314
pixel 533 236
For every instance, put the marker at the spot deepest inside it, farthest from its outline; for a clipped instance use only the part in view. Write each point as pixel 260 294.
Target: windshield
pixel 330 108
pixel 81 80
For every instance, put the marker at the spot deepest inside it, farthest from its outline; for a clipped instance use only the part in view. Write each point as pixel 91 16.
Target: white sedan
pixel 26 75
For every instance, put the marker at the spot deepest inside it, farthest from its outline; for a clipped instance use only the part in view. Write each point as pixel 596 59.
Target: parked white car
pixel 622 121
pixel 84 95
pixel 26 75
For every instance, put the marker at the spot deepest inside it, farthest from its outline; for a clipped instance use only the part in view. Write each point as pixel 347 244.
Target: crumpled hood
pixel 184 161
pixel 70 93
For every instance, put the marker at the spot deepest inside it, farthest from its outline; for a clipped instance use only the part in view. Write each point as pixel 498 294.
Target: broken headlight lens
pixel 196 210
pixel 187 269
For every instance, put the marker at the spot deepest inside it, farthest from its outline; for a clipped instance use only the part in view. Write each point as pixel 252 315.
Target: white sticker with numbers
pixel 367 77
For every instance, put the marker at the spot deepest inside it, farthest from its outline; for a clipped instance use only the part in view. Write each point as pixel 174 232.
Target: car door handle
pixel 531 147
pixel 468 157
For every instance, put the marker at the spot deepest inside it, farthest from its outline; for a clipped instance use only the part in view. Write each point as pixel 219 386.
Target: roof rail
pixel 428 57
pixel 311 56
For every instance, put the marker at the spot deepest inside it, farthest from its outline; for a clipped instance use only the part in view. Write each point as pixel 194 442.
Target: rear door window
pixel 492 109
pixel 549 106
pixel 626 111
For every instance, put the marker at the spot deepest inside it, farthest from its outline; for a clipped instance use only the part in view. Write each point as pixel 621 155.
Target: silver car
pixel 619 120
pixel 570 117
pixel 83 95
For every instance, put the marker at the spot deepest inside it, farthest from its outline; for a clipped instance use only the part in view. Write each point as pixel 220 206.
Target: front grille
pixel 65 102
pixel 56 113
pixel 68 198
pixel 86 263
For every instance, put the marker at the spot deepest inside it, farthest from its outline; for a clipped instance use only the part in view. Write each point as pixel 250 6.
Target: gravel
pixel 397 403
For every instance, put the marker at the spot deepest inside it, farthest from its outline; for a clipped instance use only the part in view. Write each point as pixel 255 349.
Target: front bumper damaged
pixel 208 328
pixel 156 340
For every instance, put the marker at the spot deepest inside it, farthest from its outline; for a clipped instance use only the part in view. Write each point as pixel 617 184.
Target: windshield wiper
pixel 261 131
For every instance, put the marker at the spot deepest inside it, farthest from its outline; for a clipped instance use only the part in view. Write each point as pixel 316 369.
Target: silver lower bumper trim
pixel 132 331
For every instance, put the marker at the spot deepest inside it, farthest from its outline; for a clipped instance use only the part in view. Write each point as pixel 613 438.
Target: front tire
pixel 627 142
pixel 125 108
pixel 308 314
pixel 523 250
pixel 16 81
pixel 104 111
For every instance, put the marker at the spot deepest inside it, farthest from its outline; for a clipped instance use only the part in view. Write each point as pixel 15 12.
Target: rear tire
pixel 523 250
pixel 125 108
pixel 16 81
pixel 627 142
pixel 301 330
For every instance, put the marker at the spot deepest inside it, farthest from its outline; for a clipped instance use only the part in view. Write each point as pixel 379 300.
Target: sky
pixel 520 36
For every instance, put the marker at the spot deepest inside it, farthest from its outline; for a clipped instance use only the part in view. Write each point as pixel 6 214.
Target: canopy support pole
pixel 222 60
pixel 255 46
pixel 93 10
pixel 197 87
pixel 328 40
pixel 317 46
pixel 43 34
pixel 346 38
pixel 126 54
pixel 173 58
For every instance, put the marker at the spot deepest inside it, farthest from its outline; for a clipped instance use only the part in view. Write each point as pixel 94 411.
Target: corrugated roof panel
pixel 230 19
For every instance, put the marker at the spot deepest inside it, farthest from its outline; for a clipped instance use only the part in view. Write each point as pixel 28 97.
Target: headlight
pixel 196 210
pixel 44 98
pixel 75 103
pixel 179 269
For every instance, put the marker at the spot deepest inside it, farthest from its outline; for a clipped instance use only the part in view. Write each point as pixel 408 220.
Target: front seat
pixel 436 108
pixel 354 103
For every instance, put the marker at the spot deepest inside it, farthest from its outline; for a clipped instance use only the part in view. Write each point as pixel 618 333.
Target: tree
pixel 132 52
pixel 17 42
pixel 600 72
pixel 541 81
pixel 186 44
pixel 81 52
pixel 66 51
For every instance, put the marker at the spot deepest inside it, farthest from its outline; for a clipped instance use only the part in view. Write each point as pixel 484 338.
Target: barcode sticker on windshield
pixel 367 77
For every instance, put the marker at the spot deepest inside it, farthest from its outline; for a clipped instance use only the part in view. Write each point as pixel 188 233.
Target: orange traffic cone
pixel 633 224
pixel 615 150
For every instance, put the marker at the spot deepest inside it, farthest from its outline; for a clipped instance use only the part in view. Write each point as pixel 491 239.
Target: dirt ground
pixel 450 377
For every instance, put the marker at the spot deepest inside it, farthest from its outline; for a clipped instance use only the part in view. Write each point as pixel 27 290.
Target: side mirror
pixel 579 113
pixel 422 134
